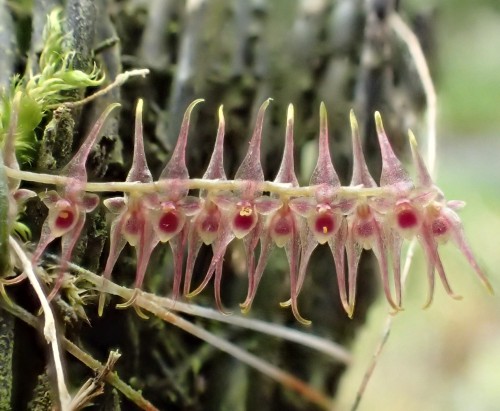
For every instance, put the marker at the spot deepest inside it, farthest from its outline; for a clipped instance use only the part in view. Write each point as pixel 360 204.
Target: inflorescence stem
pixel 282 189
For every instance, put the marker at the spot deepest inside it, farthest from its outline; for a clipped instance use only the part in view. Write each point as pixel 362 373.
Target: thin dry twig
pixel 119 81
pixel 49 329
pixel 385 335
pixel 94 387
pixel 147 302
pixel 282 377
pixel 405 33
pixel 111 378
pixel 335 351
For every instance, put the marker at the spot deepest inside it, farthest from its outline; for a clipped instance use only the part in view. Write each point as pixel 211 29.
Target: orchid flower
pixel 131 223
pixel 69 206
pixel 18 196
pixel 324 214
pixel 170 218
pixel 440 223
pixel 210 225
pixel 364 225
pixel 282 227
pixel 401 206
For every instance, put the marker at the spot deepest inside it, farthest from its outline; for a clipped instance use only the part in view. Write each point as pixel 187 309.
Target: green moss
pixel 50 87
pixel 42 400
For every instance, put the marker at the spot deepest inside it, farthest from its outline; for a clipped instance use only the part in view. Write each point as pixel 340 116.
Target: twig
pixel 385 335
pixel 333 350
pixel 146 302
pixel 94 387
pixel 410 39
pixel 111 378
pixel 49 329
pixel 119 80
pixel 282 377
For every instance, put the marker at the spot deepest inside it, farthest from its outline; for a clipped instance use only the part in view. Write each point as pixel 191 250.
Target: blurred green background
pixel 448 356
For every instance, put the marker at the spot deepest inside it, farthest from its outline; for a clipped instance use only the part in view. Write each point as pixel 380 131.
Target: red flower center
pixel 244 218
pixel 169 222
pixel 324 224
pixel 407 218
pixel 65 219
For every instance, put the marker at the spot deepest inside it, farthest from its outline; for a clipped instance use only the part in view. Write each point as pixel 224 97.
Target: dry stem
pixel 333 350
pixel 110 377
pixel 49 329
pixel 119 81
pixel 148 302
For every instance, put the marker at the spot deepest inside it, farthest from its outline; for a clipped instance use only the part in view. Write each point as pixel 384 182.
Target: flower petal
pixel 393 172
pixel 251 167
pixel 324 172
pixel 360 173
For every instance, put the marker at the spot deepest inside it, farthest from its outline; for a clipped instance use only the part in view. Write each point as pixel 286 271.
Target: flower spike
pixel 440 224
pixel 68 208
pixel 297 219
pixel 132 223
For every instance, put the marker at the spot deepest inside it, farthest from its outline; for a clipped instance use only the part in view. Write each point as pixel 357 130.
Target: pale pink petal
pixel 393 172
pixel 360 173
pixel 324 172
pixel 251 167
pixel 176 167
